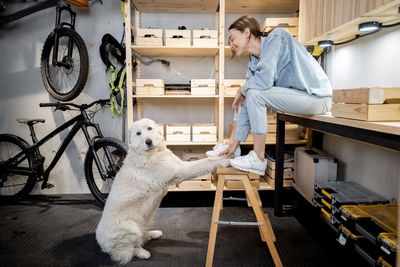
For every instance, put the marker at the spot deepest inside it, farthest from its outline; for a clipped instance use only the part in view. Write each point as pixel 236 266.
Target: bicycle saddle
pixel 33 121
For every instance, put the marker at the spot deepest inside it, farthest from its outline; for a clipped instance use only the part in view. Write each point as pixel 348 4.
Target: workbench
pixel 383 134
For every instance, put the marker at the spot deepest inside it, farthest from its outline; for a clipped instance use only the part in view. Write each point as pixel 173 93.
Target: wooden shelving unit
pixel 219 53
pixel 156 51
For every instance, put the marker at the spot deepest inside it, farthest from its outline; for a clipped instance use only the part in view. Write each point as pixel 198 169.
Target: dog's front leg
pixel 193 169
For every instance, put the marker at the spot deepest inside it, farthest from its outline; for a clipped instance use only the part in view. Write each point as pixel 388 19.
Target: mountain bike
pixel 22 165
pixel 64 62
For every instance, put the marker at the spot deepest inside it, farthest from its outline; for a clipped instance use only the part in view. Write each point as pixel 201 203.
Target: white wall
pixel 22 89
pixel 372 61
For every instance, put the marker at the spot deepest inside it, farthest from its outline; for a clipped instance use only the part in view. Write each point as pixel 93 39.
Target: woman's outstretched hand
pixel 239 99
pixel 227 153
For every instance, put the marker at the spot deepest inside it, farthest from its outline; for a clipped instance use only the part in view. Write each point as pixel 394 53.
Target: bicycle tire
pixel 97 186
pixel 54 77
pixel 6 181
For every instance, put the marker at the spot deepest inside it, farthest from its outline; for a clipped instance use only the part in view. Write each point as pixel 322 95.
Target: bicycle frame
pixel 80 122
pixel 4 19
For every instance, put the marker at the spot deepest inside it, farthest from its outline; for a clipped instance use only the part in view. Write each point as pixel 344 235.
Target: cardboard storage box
pixel 202 86
pixel 149 37
pixel 149 87
pixel 311 166
pixel 232 85
pixel 204 132
pixel 178 132
pixel 177 38
pixel 205 38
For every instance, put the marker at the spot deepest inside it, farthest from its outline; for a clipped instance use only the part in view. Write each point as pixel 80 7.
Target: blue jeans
pixel 253 114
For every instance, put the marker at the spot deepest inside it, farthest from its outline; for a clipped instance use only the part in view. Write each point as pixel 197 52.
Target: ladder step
pixel 239 223
pixel 234 198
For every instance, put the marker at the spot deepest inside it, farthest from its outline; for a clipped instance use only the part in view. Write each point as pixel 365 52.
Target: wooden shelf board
pixel 262 6
pixel 190 143
pixel 385 127
pixel 166 51
pixel 176 6
pixel 176 96
pixel 213 188
pixel 296 142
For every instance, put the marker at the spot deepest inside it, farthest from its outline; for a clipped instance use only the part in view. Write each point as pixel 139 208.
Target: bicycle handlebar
pixel 66 106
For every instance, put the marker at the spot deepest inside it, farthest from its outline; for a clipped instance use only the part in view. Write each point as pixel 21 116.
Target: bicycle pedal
pixel 48 186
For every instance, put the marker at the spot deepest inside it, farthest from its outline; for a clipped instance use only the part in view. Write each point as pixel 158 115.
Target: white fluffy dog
pixel 138 189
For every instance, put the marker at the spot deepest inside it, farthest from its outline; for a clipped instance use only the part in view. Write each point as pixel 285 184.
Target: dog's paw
pixel 223 163
pixel 141 253
pixel 154 234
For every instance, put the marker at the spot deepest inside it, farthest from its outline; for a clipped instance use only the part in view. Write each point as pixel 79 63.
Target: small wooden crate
pixel 149 37
pixel 232 85
pixel 287 182
pixel 255 182
pixel 205 38
pixel 177 38
pixel 204 132
pixel 287 173
pixel 366 95
pixel 178 132
pixel 271 164
pixel 365 112
pixel 291 25
pixel 271 137
pixel 149 87
pixel 202 86
pixel 201 182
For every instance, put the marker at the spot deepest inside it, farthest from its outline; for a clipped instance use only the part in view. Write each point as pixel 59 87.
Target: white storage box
pixel 149 37
pixel 232 85
pixel 312 165
pixel 149 87
pixel 177 38
pixel 204 132
pixel 202 86
pixel 205 38
pixel 178 132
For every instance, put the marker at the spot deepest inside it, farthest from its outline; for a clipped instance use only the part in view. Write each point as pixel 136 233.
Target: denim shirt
pixel 284 62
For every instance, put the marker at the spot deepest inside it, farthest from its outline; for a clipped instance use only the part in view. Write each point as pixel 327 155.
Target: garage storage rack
pixel 219 52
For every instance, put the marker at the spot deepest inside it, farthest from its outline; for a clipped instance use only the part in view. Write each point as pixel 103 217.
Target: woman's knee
pixel 253 96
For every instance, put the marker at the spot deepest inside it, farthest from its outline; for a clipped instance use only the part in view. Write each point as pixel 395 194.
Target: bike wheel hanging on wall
pixel 64 62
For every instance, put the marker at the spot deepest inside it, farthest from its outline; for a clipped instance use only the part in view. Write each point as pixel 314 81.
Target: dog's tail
pixel 122 255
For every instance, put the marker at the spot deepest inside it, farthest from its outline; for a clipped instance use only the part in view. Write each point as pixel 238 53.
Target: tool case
pixel 378 225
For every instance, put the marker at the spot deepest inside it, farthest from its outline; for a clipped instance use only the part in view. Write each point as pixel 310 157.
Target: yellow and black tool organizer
pixel 364 220
pixel 330 196
pixel 376 228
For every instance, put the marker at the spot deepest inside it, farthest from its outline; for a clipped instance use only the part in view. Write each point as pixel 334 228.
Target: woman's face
pixel 238 40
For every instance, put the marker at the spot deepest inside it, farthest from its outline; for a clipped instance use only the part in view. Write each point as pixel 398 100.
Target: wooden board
pixel 365 112
pixel 286 174
pixel 262 6
pixel 392 127
pixel 373 95
pixel 362 96
pixel 271 182
pixel 176 6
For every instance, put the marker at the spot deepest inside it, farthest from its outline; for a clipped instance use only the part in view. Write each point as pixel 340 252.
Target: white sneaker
pixel 218 148
pixel 250 163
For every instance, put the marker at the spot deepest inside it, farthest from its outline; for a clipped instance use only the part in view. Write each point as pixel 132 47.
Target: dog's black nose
pixel 149 142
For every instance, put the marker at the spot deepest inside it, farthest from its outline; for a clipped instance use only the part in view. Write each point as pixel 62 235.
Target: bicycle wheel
pixel 14 186
pixel 117 151
pixel 65 80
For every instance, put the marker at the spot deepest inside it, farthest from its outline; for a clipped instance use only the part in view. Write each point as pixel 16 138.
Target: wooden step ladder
pixel 253 200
